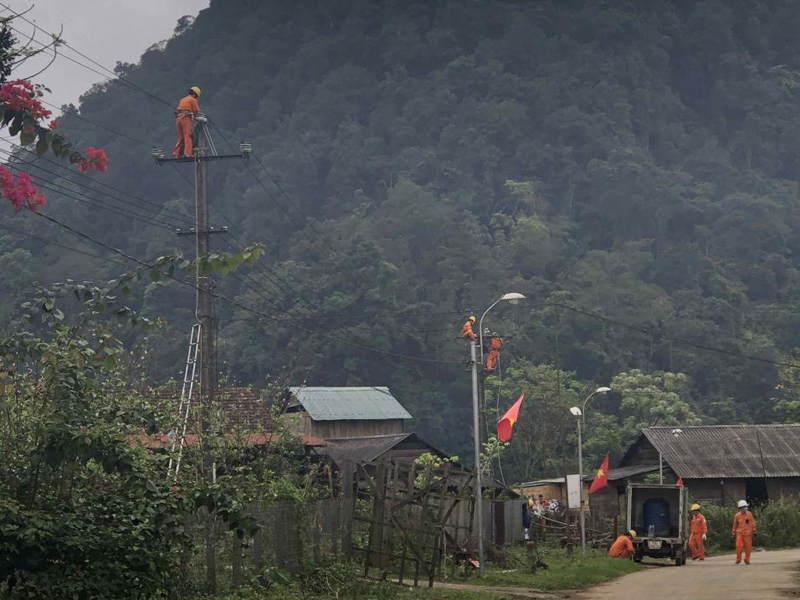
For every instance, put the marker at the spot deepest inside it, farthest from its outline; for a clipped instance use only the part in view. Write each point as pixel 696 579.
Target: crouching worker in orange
pixel 698 529
pixel 466 330
pixel 623 547
pixel 744 526
pixel 495 343
pixel 184 116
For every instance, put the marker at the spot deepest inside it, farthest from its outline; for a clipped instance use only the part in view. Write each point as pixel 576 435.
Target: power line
pixel 66 192
pixel 75 195
pixel 242 306
pixel 675 340
pixel 58 244
pixel 139 199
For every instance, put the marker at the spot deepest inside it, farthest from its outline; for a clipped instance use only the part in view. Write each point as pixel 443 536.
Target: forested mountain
pixel 634 161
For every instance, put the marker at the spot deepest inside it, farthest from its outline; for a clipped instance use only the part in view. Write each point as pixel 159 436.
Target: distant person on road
pixel 623 547
pixel 698 529
pixel 744 526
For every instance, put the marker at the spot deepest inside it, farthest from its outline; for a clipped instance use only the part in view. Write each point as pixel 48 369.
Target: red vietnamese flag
pixel 680 481
pixel 506 424
pixel 601 477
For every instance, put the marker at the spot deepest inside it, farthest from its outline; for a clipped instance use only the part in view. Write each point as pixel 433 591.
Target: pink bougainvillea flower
pixel 20 192
pixel 21 95
pixel 94 159
pixel 53 125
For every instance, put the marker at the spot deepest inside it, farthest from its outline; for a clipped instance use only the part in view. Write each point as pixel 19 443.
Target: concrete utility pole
pixel 476 425
pixel 204 299
pixel 203 310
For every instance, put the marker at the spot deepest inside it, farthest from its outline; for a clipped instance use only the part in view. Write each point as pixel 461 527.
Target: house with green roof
pixel 347 412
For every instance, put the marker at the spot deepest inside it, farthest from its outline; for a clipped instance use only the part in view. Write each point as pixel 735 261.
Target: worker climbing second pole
pixel 466 330
pixel 698 529
pixel 495 343
pixel 187 110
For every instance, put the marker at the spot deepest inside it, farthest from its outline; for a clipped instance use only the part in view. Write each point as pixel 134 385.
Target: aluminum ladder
pixel 186 402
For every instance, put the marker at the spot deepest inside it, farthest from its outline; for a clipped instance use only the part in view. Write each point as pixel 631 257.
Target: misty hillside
pixel 634 161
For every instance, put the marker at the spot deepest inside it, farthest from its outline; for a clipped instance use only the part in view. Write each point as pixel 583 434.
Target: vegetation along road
pixel 773 574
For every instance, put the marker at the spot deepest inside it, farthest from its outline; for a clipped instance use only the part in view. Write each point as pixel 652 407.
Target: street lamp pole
pixel 578 413
pixel 513 298
pixel 580 490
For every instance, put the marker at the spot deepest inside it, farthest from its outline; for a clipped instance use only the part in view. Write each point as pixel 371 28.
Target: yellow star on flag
pixel 600 472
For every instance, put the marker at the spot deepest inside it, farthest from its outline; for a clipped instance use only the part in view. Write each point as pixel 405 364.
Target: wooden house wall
pixel 782 487
pixel 351 429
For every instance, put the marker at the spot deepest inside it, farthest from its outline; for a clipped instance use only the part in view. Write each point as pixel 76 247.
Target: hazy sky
pixel 105 30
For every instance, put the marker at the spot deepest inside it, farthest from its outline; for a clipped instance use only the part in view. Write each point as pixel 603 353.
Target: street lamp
pixel 600 390
pixel 577 412
pixel 512 298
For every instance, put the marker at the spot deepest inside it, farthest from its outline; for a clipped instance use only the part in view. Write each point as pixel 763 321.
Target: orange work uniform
pixel 494 346
pixel 184 114
pixel 744 526
pixel 698 528
pixel 466 331
pixel 622 548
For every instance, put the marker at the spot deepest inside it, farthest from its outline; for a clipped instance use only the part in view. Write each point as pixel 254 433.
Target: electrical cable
pixel 675 340
pixel 80 197
pixel 66 168
pixel 240 305
pixel 60 245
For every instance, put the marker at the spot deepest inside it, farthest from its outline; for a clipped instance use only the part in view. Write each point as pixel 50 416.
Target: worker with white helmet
pixel 623 546
pixel 744 526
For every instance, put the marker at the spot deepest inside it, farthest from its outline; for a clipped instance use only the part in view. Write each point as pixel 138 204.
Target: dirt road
pixel 771 575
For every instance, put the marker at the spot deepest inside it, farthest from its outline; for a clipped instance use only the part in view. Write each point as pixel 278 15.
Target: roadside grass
pixel 562 573
pixel 364 590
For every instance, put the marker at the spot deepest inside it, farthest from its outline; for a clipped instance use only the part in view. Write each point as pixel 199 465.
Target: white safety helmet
pixel 741 504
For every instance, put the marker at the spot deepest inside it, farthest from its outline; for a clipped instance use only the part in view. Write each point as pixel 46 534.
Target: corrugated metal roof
pixel 349 403
pixel 726 451
pixel 613 475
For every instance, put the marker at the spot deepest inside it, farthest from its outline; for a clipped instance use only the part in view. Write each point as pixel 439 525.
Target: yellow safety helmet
pixel 695 507
pixel 632 533
pixel 196 90
pixel 472 318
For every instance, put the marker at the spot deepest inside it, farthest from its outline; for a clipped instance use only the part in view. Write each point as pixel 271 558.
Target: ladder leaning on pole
pixel 185 403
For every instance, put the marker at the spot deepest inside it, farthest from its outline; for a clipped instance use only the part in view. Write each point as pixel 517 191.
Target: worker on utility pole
pixel 495 342
pixel 184 118
pixel 466 330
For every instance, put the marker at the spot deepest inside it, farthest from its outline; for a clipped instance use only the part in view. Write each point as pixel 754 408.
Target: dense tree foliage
pixel 636 161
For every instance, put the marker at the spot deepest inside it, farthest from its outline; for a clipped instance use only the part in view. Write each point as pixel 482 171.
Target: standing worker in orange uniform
pixel 698 529
pixel 744 526
pixel 623 547
pixel 495 342
pixel 466 330
pixel 184 116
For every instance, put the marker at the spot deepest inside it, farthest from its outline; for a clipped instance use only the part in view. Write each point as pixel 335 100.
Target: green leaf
pixel 27 137
pixel 155 275
pixel 42 144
